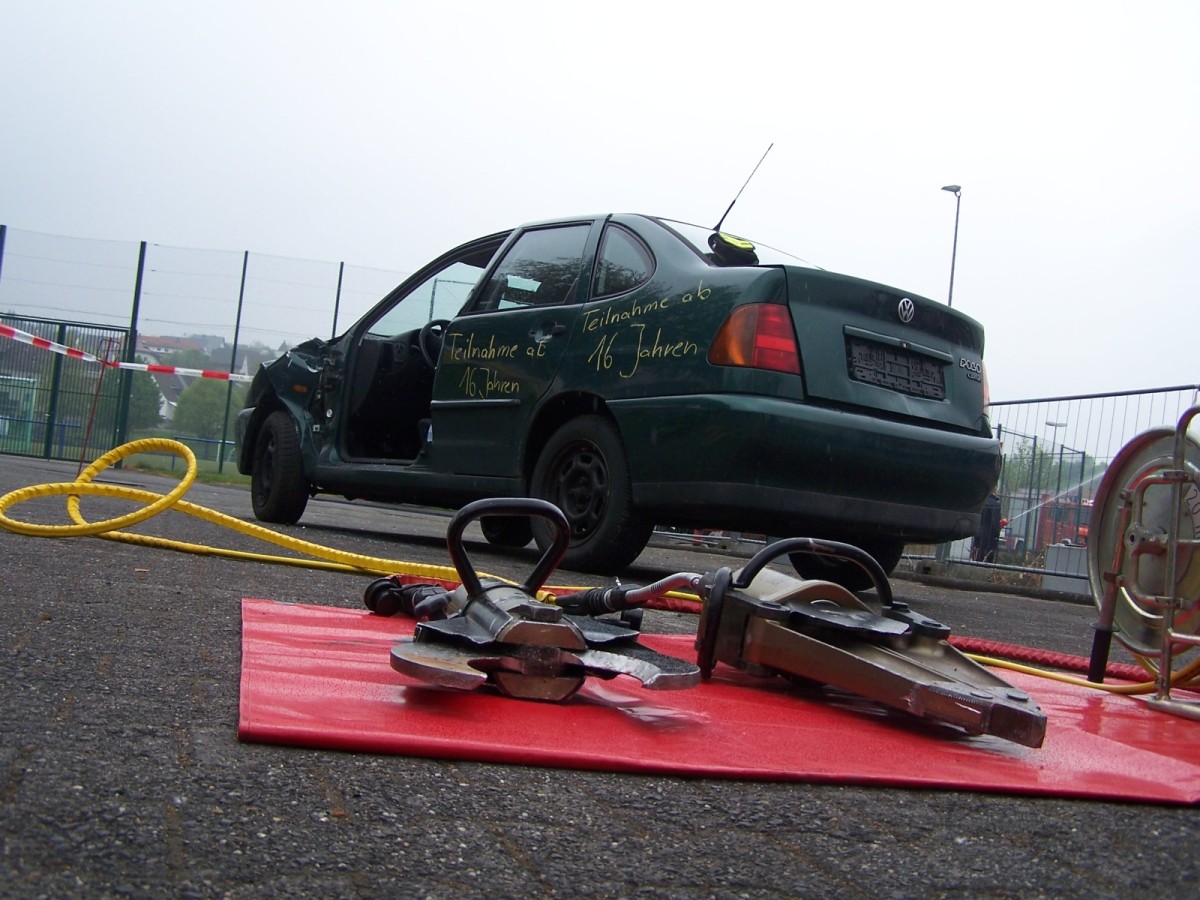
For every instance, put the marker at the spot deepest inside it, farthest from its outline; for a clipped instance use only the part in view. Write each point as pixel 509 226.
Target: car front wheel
pixel 278 489
pixel 582 470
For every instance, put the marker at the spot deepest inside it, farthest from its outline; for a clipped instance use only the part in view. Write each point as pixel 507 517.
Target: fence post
pixel 126 389
pixel 1079 493
pixel 1034 494
pixel 237 330
pixel 55 386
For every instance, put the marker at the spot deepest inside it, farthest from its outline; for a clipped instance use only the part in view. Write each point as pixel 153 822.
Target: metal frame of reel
pixel 1144 573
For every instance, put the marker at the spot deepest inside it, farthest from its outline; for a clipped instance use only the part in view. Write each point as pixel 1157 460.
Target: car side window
pixel 439 297
pixel 541 269
pixel 624 263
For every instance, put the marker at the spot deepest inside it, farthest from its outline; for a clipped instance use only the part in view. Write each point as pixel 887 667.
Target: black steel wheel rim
pixel 580 487
pixel 266 468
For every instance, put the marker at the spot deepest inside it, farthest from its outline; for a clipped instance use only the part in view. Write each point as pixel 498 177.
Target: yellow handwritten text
pixel 602 355
pixel 658 349
pixel 480 382
pixel 459 350
pixel 593 319
pixel 702 293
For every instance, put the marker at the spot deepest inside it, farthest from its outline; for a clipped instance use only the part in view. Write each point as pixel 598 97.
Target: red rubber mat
pixel 321 677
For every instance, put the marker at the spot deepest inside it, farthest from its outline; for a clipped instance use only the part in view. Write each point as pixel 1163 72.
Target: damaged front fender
pixel 290 382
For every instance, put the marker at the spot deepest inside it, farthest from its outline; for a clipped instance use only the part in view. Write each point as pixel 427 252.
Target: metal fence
pixel 218 298
pixel 57 407
pixel 121 301
pixel 1056 450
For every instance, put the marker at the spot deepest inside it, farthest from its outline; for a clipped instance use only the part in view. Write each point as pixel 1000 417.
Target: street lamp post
pixel 943 550
pixel 1054 426
pixel 956 190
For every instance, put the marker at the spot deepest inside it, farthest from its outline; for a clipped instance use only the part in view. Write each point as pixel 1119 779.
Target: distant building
pixel 209 343
pixel 154 346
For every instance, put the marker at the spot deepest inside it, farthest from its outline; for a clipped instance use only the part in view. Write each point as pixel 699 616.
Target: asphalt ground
pixel 121 773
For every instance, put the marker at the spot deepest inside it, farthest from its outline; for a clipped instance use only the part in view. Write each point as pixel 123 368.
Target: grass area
pixel 174 467
pixel 208 469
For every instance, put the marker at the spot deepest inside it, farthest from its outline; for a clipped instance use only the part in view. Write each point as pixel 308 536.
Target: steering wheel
pixel 429 341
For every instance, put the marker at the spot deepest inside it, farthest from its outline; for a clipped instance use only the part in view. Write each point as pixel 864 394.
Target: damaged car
pixel 637 371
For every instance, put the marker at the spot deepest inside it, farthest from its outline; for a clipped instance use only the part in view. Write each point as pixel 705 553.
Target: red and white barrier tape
pixel 175 370
pixel 25 337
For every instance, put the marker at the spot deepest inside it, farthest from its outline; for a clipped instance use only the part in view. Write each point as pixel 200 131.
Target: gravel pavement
pixel 121 773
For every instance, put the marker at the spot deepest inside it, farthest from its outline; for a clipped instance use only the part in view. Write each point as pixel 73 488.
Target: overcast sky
pixel 383 133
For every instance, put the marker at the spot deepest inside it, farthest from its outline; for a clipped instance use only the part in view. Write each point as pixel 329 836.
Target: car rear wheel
pixel 848 574
pixel 278 489
pixel 582 470
pixel 509 532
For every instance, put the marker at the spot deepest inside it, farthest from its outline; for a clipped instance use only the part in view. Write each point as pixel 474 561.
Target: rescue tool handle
pixel 518 506
pixel 816 547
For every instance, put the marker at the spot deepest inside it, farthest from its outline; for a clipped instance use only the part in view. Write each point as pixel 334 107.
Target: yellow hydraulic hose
pixel 326 558
pixel 1178 679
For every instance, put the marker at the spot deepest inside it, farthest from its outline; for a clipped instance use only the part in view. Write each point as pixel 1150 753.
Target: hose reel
pixel 1144 555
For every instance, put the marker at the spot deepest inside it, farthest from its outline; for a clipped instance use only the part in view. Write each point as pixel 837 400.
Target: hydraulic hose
pixel 1184 678
pixel 1031 655
pixel 319 557
pixel 326 558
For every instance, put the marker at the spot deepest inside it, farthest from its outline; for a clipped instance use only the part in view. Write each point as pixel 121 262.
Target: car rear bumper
pixel 788 513
pixel 764 464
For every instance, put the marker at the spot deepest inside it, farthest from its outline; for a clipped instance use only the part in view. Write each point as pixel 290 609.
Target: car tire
pixel 582 470
pixel 848 574
pixel 507 532
pixel 278 489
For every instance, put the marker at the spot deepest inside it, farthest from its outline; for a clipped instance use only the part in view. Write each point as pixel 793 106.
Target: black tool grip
pixel 594 601
pixel 519 506
pixel 836 549
pixel 386 597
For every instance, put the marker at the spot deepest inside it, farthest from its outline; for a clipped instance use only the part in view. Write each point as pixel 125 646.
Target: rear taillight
pixel 758 336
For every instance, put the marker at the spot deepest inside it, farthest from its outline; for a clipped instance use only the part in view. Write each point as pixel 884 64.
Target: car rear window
pixel 624 263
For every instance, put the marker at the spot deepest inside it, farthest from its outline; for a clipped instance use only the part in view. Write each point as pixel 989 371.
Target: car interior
pixel 390 385
pixel 388 397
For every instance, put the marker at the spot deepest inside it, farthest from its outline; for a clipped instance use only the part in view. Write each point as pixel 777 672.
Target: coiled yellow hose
pixel 326 558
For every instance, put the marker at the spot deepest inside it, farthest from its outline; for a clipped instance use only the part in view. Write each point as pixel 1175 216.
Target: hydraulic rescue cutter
pixel 492 632
pixel 768 623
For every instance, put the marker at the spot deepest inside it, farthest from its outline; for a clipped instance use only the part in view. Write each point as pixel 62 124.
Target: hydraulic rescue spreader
pixel 492 632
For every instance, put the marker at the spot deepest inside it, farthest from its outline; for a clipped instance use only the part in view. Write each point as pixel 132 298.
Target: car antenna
pixel 717 227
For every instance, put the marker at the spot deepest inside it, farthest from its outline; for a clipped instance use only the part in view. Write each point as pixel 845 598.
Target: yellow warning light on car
pixel 736 242
pixel 732 251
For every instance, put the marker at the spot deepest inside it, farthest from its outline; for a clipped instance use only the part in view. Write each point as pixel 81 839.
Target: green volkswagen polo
pixel 637 371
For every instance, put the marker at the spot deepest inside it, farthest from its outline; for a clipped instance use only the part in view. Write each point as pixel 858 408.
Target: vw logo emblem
pixel 906 310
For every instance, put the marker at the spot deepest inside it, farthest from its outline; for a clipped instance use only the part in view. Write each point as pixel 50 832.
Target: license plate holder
pixel 896 368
